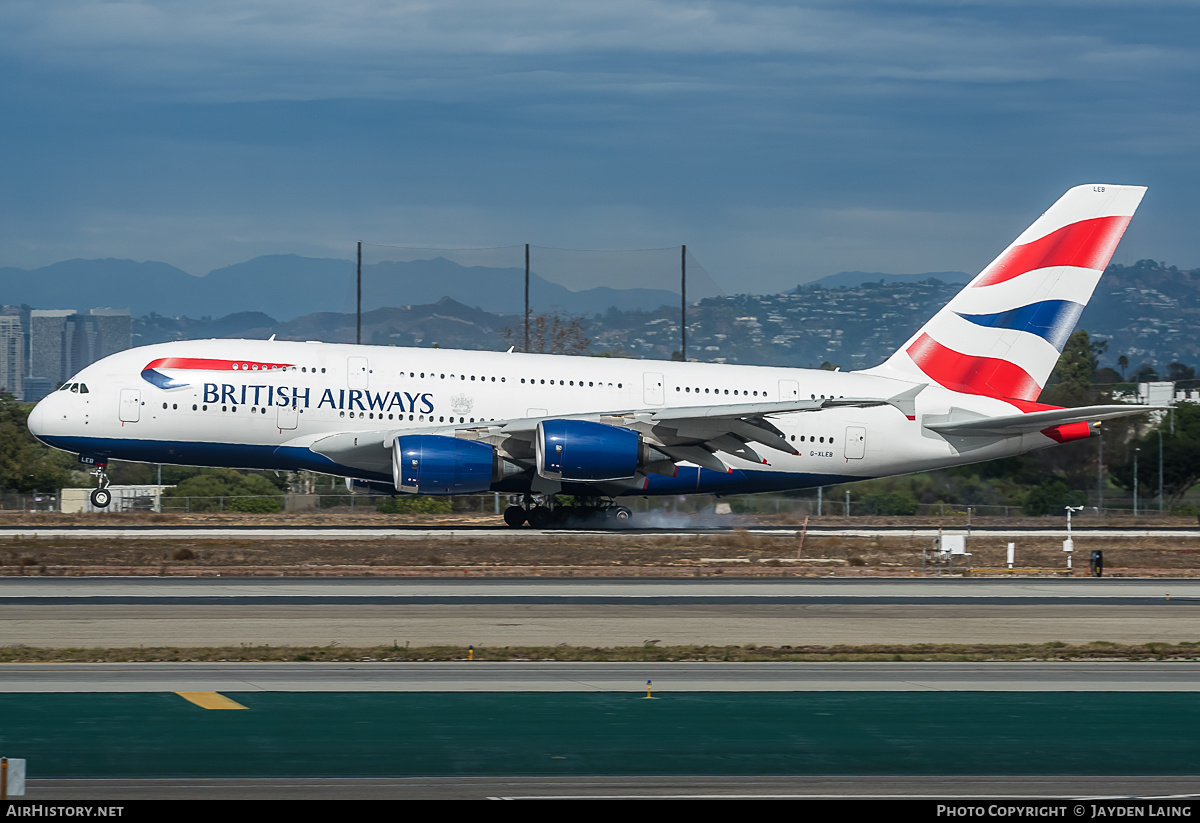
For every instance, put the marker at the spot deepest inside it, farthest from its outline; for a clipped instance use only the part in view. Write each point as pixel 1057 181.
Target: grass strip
pixel 922 652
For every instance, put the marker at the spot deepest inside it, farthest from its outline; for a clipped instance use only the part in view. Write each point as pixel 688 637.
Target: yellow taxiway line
pixel 210 700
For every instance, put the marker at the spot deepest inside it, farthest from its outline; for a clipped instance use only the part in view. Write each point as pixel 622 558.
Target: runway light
pixel 649 683
pixel 470 652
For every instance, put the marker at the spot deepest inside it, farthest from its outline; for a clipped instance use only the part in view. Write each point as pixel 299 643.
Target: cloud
pixel 781 140
pixel 223 50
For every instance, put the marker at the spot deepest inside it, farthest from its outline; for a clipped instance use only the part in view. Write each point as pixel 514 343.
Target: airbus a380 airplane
pixel 963 389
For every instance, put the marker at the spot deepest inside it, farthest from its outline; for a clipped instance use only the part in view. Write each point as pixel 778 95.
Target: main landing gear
pixel 546 512
pixel 101 496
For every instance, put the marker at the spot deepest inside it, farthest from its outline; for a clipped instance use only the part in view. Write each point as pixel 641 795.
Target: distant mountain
pixel 84 284
pixel 854 279
pixel 280 285
pixel 288 286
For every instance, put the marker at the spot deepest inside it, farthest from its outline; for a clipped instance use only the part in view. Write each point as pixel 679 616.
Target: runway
pixel 834 730
pixel 578 744
pixel 628 678
pixel 98 612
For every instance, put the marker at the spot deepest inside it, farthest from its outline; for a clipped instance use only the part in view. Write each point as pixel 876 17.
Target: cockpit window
pixel 83 388
pixel 75 388
pixel 66 386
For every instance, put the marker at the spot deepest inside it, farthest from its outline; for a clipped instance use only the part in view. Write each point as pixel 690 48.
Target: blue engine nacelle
pixel 433 464
pixel 582 450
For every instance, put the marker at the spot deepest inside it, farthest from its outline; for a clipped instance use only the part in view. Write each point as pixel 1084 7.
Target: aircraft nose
pixel 38 418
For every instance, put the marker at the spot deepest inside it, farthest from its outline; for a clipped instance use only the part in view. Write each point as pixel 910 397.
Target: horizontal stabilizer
pixel 1011 424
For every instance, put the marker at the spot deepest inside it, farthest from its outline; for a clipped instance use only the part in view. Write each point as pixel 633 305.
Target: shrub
pixel 414 504
pixel 1052 497
pixel 888 503
pixel 255 505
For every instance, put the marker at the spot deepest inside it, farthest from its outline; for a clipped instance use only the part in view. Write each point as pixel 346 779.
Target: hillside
pixel 1148 312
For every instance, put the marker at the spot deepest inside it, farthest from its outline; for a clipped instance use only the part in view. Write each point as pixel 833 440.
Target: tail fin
pixel 1002 334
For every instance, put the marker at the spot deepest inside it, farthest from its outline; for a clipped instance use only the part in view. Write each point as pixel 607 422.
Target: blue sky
pixel 780 141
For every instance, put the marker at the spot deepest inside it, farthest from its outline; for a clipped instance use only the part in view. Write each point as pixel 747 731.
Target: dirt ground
pixel 731 552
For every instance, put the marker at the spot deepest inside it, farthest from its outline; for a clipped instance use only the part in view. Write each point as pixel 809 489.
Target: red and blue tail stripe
pixel 1051 320
pixel 1087 244
pixel 1002 334
pixel 989 376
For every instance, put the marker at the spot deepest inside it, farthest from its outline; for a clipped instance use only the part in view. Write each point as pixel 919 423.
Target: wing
pixel 1014 424
pixel 693 434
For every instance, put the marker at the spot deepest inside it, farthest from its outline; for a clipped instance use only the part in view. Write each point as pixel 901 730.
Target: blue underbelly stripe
pixel 689 480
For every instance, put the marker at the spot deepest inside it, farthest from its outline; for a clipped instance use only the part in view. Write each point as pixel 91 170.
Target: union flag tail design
pixel 1003 333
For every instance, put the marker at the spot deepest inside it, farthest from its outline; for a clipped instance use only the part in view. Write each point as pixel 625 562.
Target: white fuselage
pixel 279 398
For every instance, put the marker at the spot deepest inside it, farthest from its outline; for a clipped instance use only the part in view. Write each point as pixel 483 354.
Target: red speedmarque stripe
pixel 213 365
pixel 988 376
pixel 1088 244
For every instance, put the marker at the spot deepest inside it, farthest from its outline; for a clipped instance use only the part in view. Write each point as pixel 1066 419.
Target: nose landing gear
pixel 101 496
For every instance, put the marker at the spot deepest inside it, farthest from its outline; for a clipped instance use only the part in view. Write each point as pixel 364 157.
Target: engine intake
pixel 434 464
pixel 582 450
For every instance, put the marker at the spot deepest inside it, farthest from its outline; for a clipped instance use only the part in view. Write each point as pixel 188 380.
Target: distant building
pixel 12 356
pixel 62 342
pixel 48 347
pixel 1159 393
pixel 95 335
pixel 38 387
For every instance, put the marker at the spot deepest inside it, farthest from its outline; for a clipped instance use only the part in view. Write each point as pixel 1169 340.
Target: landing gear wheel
pixel 540 517
pixel 623 516
pixel 514 516
pixel 101 498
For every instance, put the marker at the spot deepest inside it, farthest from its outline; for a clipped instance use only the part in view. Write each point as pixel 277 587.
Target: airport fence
pixel 29 501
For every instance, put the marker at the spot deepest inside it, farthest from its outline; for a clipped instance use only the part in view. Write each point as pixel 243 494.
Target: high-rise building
pixel 12 356
pixel 113 333
pixel 38 387
pixel 62 342
pixel 49 344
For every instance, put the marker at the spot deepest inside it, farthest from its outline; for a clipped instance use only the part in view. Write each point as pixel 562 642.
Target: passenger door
pixel 131 405
pixel 288 416
pixel 357 373
pixel 856 442
pixel 653 393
